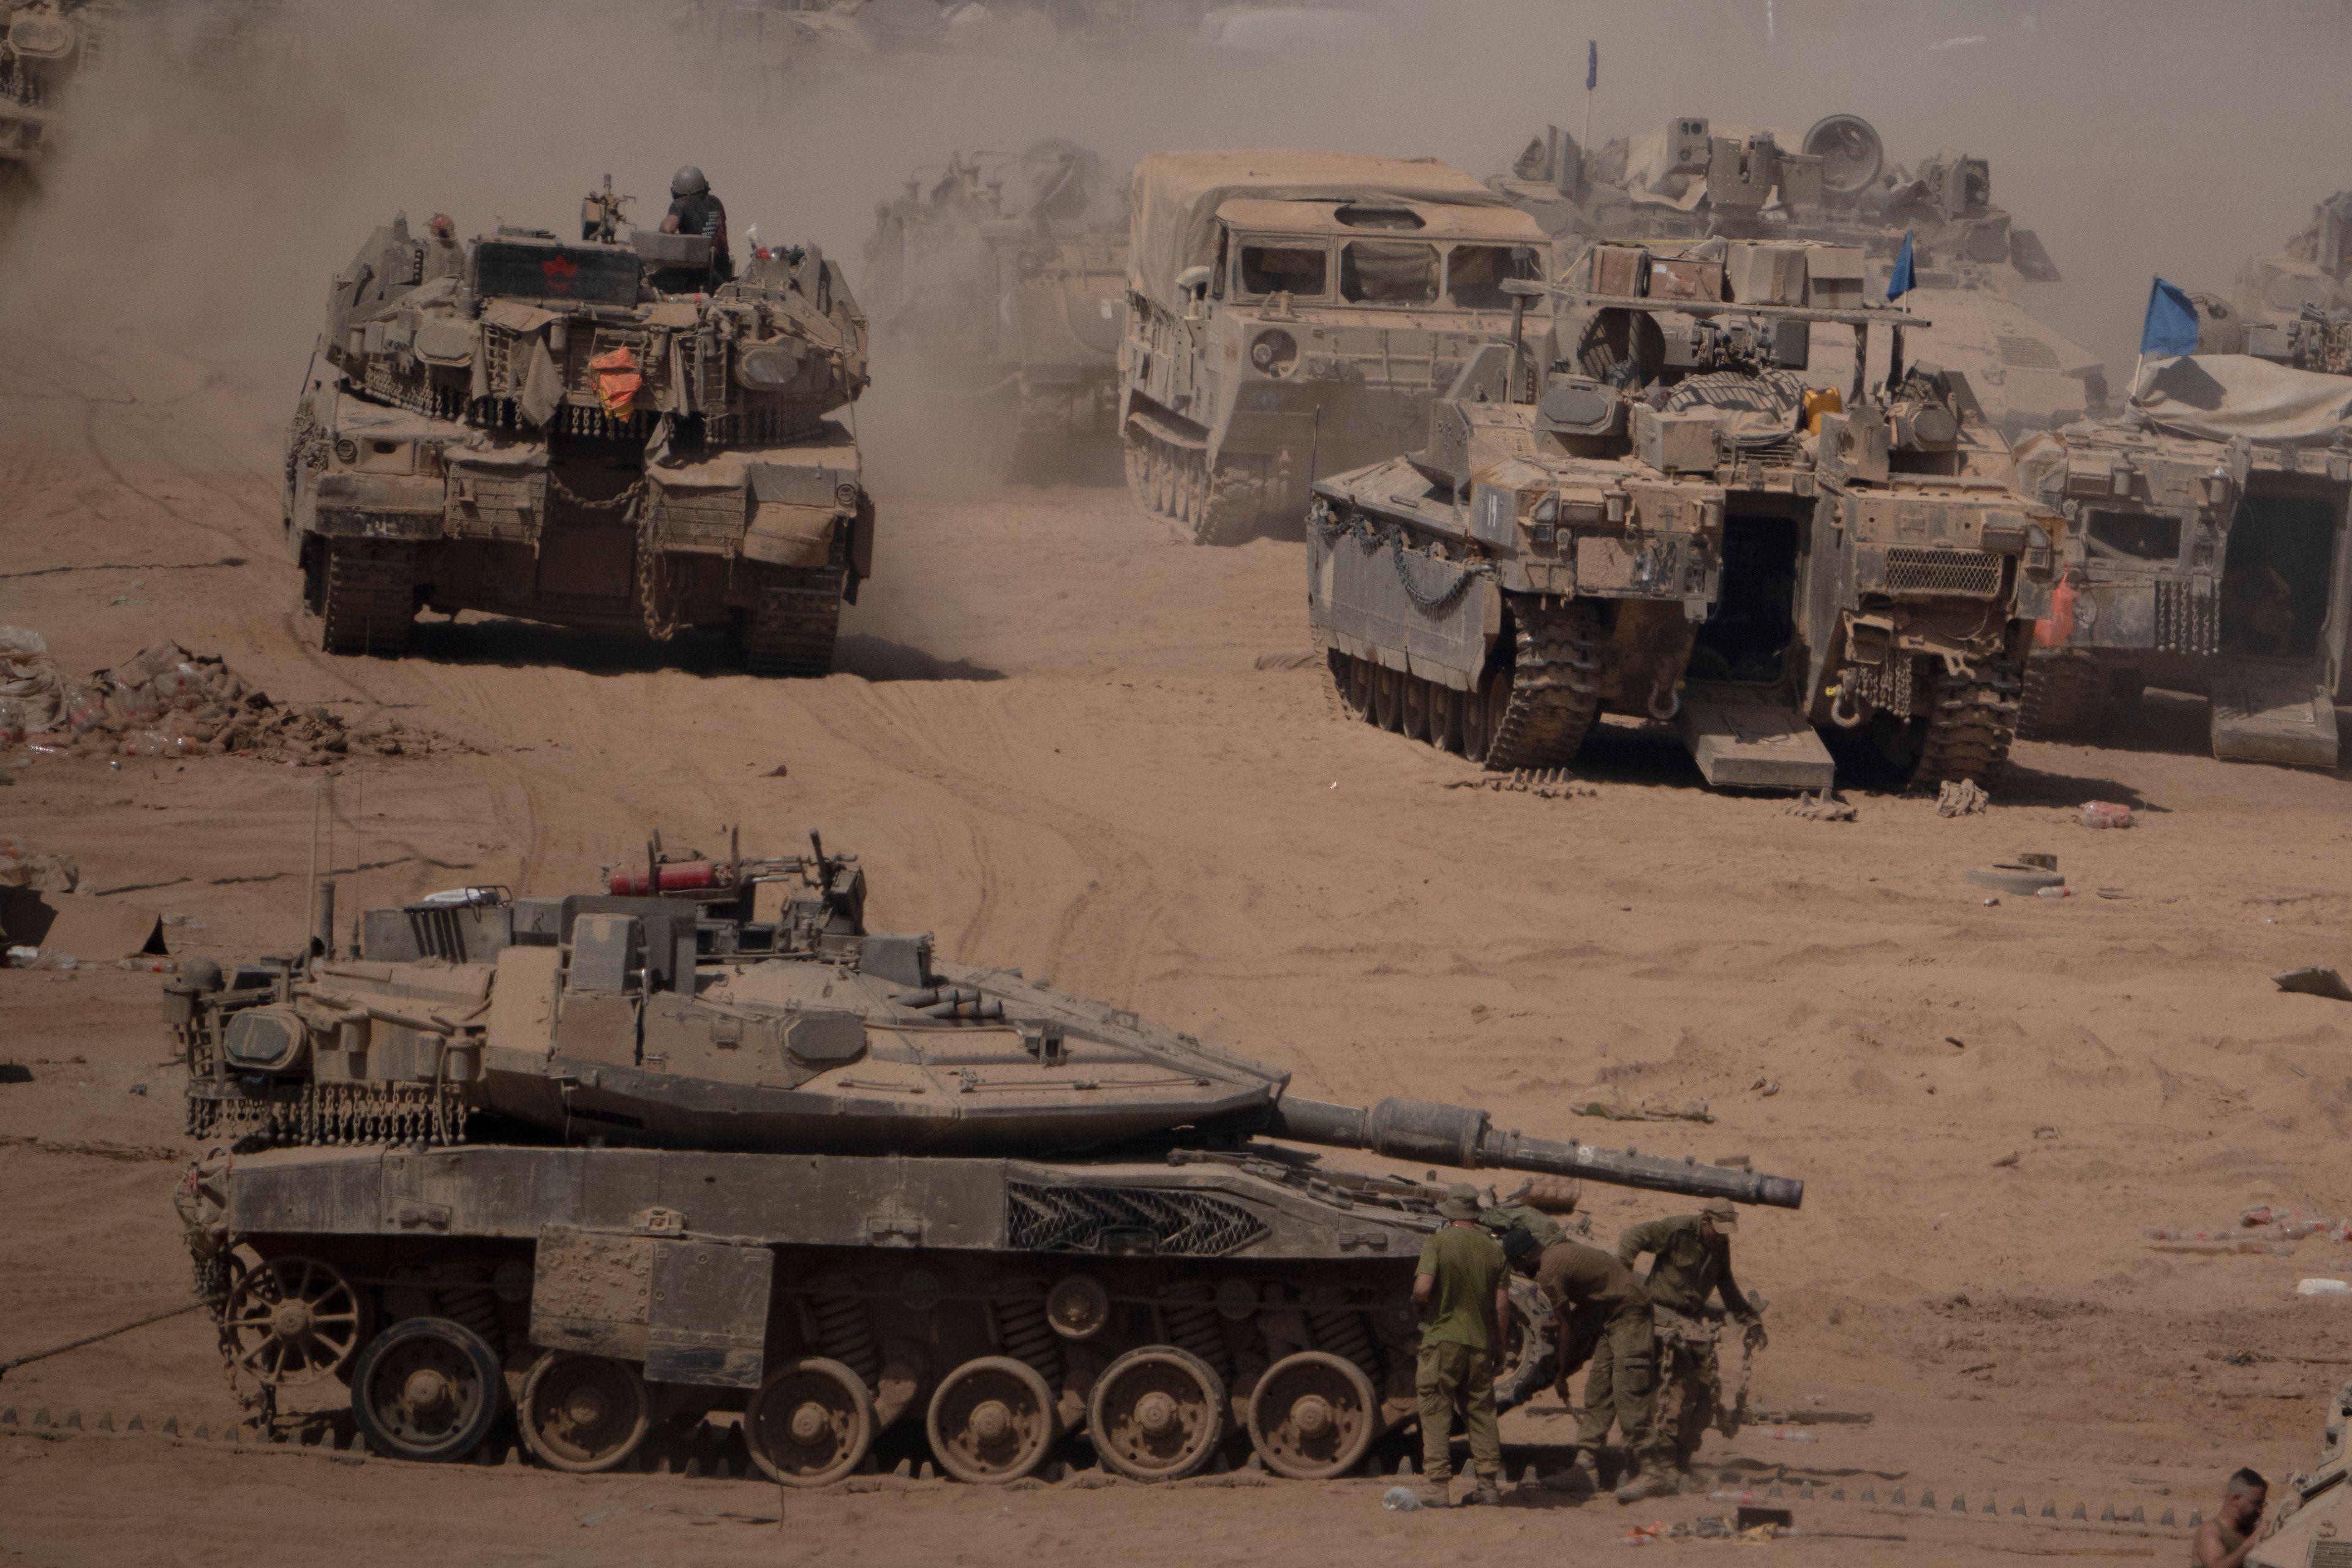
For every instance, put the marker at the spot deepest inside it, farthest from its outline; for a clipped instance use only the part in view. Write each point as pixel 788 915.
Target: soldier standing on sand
pixel 1465 1309
pixel 1603 1314
pixel 2224 1540
pixel 1693 1262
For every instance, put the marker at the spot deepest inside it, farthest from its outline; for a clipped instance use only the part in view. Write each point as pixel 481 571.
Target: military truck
pixel 44 46
pixel 1292 314
pixel 1673 524
pixel 1833 189
pixel 596 431
pixel 698 1141
pixel 1012 272
pixel 2206 550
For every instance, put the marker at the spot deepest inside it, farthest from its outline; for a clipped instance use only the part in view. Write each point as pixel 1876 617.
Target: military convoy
pixel 1012 272
pixel 2209 549
pixel 700 1141
pixel 1832 187
pixel 1657 514
pixel 592 432
pixel 1291 314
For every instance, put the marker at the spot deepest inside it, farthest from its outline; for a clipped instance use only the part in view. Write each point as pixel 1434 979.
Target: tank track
pixel 2063 698
pixel 368 605
pixel 1220 505
pixel 1971 722
pixel 791 628
pixel 1555 687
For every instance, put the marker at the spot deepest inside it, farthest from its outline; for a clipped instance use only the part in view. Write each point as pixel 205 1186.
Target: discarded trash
pixel 2314 981
pixel 2060 892
pixel 1961 797
pixel 1788 1435
pixel 2322 1287
pixel 1401 1499
pixel 1822 807
pixel 2014 876
pixel 39 958
pixel 2105 814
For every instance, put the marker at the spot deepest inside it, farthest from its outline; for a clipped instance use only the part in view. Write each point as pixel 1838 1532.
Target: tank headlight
pixel 845 494
pixel 1274 351
pixel 347 450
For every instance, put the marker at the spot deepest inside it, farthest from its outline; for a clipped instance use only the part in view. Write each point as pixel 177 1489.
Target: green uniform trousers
pixel 1448 1375
pixel 1621 1383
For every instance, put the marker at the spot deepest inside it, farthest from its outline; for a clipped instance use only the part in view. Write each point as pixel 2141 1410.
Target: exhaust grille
pixel 1082 1219
pixel 1969 573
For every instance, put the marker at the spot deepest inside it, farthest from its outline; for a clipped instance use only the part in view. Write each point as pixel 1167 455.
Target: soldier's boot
pixel 1436 1491
pixel 1652 1479
pixel 1584 1474
pixel 1488 1493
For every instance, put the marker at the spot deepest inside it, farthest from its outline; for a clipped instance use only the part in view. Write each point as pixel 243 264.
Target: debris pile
pixel 44 871
pixel 2263 1230
pixel 1961 797
pixel 169 702
pixel 1544 784
pixel 1822 807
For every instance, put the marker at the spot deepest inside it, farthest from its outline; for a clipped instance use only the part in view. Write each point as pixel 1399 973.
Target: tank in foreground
pixel 620 1159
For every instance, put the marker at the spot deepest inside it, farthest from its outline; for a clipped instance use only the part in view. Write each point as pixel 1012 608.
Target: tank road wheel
pixel 1388 699
pixel 1162 460
pixel 991 1420
pixel 1416 708
pixel 1540 710
pixel 1361 673
pixel 1137 451
pixel 811 1424
pixel 1196 488
pixel 1157 1413
pixel 425 1389
pixel 291 1321
pixel 365 604
pixel 791 627
pixel 1971 722
pixel 1313 1416
pixel 1474 723
pixel 1445 718
pixel 582 1412
pixel 2063 698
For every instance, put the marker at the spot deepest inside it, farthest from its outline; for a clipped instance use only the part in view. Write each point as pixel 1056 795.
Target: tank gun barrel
pixel 1456 1135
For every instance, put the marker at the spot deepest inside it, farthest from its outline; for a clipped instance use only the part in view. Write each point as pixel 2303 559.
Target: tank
pixel 1833 187
pixel 2208 549
pixel 623 1160
pixel 44 46
pixel 1293 314
pixel 1656 511
pixel 2313 1511
pixel 2310 272
pixel 1009 274
pixel 597 432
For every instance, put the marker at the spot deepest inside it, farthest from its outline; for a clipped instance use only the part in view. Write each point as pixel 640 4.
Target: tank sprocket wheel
pixel 791 628
pixel 1542 706
pixel 991 1420
pixel 292 1320
pixel 811 1423
pixel 1157 1413
pixel 1970 725
pixel 425 1389
pixel 1313 1416
pixel 2064 697
pixel 366 603
pixel 582 1412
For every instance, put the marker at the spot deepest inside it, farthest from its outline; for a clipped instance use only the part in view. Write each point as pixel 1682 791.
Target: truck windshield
pixel 1474 274
pixel 1300 270
pixel 1387 272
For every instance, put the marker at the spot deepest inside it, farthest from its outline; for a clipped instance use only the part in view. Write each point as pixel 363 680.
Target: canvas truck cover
pixel 1175 196
pixel 2215 397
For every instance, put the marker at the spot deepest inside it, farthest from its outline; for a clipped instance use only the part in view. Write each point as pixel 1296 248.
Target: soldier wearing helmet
pixel 694 209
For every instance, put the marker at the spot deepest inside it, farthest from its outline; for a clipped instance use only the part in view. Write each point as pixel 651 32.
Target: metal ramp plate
pixel 1745 738
pixel 2267 711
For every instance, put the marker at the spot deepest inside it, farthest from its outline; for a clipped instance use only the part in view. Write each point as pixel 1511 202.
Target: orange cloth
pixel 617 381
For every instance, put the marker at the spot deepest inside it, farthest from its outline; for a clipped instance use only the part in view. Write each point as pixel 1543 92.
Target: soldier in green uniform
pixel 1603 1314
pixel 1536 1366
pixel 1692 1264
pixel 1466 1307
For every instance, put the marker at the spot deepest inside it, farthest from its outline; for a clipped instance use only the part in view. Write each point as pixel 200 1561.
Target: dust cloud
pixel 209 189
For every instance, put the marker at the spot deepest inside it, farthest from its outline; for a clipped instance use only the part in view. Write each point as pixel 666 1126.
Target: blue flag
pixel 1901 282
pixel 2171 324
pixel 1592 64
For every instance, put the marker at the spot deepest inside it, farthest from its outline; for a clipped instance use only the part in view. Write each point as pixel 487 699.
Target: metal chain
pixel 627 498
pixel 1429 604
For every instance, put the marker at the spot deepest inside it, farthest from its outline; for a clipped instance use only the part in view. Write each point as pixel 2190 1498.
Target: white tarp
pixel 2216 397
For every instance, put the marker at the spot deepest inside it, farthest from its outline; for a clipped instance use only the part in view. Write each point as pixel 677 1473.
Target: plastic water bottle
pixel 1401 1499
pixel 1787 1435
pixel 2324 1288
pixel 2105 814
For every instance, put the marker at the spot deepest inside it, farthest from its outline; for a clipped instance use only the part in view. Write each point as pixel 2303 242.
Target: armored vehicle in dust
pixel 1293 314
pixel 2312 1514
pixel 2208 548
pixel 1010 274
pixel 1833 189
pixel 700 1142
pixel 44 46
pixel 1673 524
pixel 586 432
pixel 2312 272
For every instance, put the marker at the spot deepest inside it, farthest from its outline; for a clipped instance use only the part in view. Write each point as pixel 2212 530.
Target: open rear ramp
pixel 2265 711
pixel 1748 738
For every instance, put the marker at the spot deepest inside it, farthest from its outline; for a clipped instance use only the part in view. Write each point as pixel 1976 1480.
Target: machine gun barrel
pixel 1456 1135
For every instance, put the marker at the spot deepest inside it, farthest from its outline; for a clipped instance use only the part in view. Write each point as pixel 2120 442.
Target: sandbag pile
pixel 169 702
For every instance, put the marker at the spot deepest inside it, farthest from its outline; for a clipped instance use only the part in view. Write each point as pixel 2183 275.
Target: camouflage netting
pixel 169 702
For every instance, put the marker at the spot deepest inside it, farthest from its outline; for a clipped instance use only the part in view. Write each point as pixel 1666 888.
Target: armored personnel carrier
pixel 1833 189
pixel 2208 548
pixel 700 1141
pixel 1293 314
pixel 596 433
pixel 1011 270
pixel 1673 524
